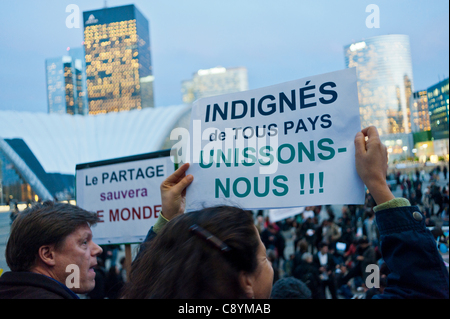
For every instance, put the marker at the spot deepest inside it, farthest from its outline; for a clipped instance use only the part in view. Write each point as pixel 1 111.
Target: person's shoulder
pixel 28 285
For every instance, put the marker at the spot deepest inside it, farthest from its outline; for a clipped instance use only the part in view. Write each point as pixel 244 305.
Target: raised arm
pixel 173 192
pixel 407 246
pixel 372 164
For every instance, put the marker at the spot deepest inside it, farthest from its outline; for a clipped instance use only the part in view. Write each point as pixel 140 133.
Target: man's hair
pixel 48 223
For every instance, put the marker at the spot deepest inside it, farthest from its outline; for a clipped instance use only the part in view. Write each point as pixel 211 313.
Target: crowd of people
pixel 433 199
pixel 219 252
pixel 331 254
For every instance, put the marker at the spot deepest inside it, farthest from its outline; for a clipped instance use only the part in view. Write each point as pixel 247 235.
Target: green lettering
pixel 291 157
pixel 302 149
pixel 211 154
pixel 248 187
pixel 225 190
pixel 266 187
pixel 266 154
pixel 326 148
pixel 221 155
pixel 246 155
pixel 278 184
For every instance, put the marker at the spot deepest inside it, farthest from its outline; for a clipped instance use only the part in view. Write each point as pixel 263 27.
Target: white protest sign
pixel 125 194
pixel 282 146
pixel 276 215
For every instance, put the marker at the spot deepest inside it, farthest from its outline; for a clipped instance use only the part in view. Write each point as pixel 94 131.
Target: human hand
pixel 372 164
pixel 173 192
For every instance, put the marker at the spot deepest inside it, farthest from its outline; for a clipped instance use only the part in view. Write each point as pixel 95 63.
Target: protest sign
pixel 282 146
pixel 276 215
pixel 125 194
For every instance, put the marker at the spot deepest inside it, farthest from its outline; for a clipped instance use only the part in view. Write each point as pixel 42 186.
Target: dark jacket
pixel 309 274
pixel 410 252
pixel 28 285
pixel 331 265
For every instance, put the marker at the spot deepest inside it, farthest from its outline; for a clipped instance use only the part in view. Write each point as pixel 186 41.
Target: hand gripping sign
pixel 282 146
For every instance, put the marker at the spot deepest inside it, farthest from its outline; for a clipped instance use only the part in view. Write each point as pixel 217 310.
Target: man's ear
pixel 47 255
pixel 246 282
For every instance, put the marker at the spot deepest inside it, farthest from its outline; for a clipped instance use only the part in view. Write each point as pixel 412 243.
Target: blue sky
pixel 277 41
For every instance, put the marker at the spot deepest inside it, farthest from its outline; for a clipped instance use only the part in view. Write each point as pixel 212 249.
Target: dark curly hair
pixel 179 264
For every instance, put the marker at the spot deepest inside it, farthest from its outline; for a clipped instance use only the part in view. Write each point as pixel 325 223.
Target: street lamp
pixel 405 148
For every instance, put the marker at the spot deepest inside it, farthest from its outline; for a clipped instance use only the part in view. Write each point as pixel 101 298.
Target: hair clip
pixel 210 238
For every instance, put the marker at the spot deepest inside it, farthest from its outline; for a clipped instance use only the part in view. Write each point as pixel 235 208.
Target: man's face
pixel 78 249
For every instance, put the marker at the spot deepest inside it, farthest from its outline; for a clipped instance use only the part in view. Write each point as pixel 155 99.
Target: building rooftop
pixel 58 142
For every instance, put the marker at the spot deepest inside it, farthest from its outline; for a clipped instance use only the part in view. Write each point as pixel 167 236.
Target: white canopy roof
pixel 60 141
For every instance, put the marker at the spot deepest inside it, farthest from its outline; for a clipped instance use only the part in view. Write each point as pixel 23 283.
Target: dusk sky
pixel 277 41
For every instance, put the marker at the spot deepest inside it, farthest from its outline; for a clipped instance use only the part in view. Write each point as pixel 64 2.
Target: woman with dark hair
pixel 212 253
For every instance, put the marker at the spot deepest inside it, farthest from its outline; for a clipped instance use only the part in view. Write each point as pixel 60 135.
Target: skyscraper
pixel 420 117
pixel 214 81
pixel 66 86
pixel 438 107
pixel 385 87
pixel 118 60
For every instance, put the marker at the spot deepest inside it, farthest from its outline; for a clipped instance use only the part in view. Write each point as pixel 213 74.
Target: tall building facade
pixel 385 87
pixel 66 83
pixel 420 117
pixel 438 107
pixel 118 60
pixel 214 81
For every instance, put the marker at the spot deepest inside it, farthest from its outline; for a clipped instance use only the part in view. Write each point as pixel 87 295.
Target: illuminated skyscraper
pixel 66 83
pixel 215 81
pixel 438 107
pixel 420 117
pixel 118 61
pixel 385 87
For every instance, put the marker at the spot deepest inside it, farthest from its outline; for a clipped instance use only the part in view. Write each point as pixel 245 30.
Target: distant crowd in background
pixel 430 197
pixel 331 254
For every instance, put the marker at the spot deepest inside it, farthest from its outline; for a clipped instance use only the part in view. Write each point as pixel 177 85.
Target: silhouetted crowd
pixel 331 254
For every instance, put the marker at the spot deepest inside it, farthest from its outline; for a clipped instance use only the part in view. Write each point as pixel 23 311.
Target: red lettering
pixel 150 212
pixel 135 213
pixel 129 214
pixel 113 216
pixel 100 216
pixel 157 210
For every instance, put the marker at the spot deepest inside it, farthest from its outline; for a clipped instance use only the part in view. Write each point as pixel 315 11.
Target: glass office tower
pixel 385 87
pixel 118 60
pixel 214 81
pixel 438 107
pixel 420 119
pixel 66 83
